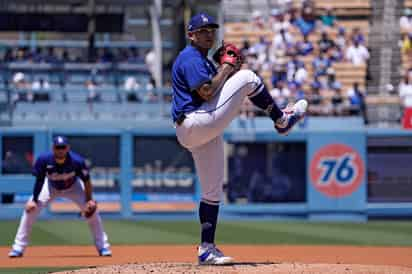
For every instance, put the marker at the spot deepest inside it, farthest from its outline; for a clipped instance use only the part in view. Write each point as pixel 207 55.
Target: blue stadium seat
pixel 77 95
pixel 3 96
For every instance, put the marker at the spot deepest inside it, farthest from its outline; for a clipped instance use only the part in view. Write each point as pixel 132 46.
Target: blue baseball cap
pixel 202 20
pixel 60 141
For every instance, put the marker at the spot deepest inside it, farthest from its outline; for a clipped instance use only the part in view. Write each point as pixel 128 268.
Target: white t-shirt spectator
pixel 279 41
pixel 277 25
pixel 405 92
pixel 405 22
pixel 301 75
pixel 131 84
pixel 280 95
pixel 40 85
pixel 357 55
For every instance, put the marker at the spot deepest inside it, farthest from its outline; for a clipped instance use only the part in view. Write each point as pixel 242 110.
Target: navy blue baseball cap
pixel 202 20
pixel 60 141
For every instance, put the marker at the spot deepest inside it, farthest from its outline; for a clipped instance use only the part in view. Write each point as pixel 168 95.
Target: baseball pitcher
pixel 205 100
pixel 61 173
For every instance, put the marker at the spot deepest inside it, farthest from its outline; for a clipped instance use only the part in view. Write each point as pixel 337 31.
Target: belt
pixel 180 119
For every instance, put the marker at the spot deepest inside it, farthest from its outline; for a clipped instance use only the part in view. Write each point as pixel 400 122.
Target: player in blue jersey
pixel 61 173
pixel 205 100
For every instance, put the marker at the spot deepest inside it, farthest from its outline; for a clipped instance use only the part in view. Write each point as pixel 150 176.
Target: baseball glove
pixel 229 54
pixel 90 209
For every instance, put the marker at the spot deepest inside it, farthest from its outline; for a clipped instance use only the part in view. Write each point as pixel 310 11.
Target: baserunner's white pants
pixel 201 132
pixel 47 194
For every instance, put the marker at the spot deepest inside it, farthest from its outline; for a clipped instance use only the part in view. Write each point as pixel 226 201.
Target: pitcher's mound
pixel 245 267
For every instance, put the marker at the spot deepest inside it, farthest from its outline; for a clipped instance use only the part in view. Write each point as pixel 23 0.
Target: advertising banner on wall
pixel 337 172
pixel 163 170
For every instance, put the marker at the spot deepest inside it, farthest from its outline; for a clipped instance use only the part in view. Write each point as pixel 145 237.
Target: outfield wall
pixel 327 169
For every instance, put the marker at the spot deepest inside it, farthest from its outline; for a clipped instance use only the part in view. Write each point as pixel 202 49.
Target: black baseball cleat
pixel 105 252
pixel 15 253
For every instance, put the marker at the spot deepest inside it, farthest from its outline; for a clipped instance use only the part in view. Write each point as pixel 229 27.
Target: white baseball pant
pixel 201 131
pixel 48 193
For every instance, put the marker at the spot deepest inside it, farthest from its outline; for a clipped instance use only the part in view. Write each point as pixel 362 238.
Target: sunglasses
pixel 60 147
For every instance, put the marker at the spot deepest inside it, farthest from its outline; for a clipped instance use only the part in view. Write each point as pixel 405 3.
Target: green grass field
pixel 247 232
pixel 388 233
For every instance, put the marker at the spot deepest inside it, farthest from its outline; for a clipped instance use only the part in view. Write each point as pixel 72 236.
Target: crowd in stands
pixel 54 55
pixel 405 86
pixel 91 91
pixel 300 57
pixel 91 86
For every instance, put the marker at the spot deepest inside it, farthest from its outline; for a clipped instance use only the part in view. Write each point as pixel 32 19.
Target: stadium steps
pixel 384 63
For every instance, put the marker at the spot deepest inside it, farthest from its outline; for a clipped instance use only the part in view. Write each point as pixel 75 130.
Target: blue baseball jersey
pixel 190 71
pixel 61 176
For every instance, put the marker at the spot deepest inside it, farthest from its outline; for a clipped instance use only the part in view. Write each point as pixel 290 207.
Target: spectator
pixel 331 80
pixel 134 56
pixel 279 74
pixel 328 18
pixel 280 93
pixel 252 61
pixel 341 38
pixel 37 56
pixel 307 3
pixel 325 43
pixel 40 84
pixel 407 44
pixel 285 5
pixel 245 47
pixel 301 74
pixel 13 163
pixel 246 111
pixel 306 22
pixel 8 56
pixel 338 103
pixel 405 22
pixel 106 56
pixel 93 96
pixel 357 102
pixel 65 57
pixel 131 84
pixel 260 49
pixel 304 47
pixel 321 64
pixel 335 54
pixel 405 94
pixel 405 90
pixel 316 101
pixel 19 81
pixel 22 92
pixel 283 39
pixel 296 91
pixel 357 53
pixel 50 57
pixel 258 21
pixel 357 36
pixel 292 66
pixel 278 21
pixel 318 84
pixel 21 55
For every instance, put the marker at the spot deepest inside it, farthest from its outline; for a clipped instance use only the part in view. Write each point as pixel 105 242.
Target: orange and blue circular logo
pixel 337 170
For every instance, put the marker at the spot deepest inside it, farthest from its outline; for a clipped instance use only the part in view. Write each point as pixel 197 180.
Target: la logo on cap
pixel 60 139
pixel 204 19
